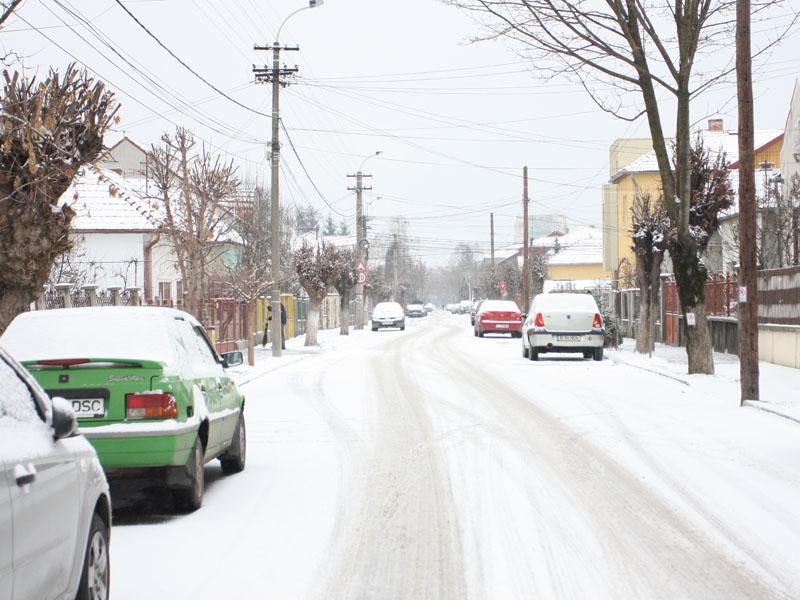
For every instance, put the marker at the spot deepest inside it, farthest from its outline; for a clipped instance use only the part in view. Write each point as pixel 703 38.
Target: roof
pixel 103 201
pixel 716 141
pixel 311 238
pixel 581 246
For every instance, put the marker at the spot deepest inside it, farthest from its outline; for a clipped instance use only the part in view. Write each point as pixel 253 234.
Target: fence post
pixel 65 289
pixel 116 298
pixel 91 293
pixel 135 299
pixel 41 303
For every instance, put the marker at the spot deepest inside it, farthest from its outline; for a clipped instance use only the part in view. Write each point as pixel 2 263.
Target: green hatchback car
pixel 150 392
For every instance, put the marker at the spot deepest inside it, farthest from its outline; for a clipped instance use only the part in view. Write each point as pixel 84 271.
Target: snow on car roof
pixel 113 332
pixel 557 301
pixel 387 308
pixel 499 306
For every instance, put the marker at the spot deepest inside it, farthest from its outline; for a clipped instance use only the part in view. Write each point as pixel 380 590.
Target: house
pixel 641 176
pixel 126 158
pixel 575 259
pixel 790 168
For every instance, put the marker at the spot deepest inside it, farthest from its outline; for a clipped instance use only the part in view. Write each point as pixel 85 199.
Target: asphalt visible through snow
pixel 432 464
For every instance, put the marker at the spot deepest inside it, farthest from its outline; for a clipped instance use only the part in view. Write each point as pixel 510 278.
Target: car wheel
pixel 480 333
pixel 191 498
pixel 598 354
pixel 402 327
pixel 588 353
pixel 234 459
pixel 533 354
pixel 475 332
pixel 374 329
pixel 96 574
pixel 524 352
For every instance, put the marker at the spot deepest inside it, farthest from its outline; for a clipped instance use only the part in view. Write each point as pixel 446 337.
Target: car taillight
pixel 598 321
pixel 539 322
pixel 150 405
pixel 64 362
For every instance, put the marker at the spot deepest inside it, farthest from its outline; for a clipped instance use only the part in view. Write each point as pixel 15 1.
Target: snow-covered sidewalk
pixel 779 384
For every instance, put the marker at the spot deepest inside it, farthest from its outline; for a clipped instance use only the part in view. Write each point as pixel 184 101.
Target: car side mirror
pixel 63 420
pixel 232 359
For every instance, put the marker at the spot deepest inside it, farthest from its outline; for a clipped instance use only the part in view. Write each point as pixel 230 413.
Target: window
pixel 164 292
pixel 179 291
pixel 16 401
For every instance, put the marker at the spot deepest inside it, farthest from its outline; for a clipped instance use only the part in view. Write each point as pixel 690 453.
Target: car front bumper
pixel 389 323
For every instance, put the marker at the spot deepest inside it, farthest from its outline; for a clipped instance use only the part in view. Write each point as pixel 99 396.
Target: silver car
pixel 388 314
pixel 563 323
pixel 55 510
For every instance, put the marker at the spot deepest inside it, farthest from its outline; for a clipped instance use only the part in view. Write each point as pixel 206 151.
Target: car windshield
pixel 102 332
pixel 387 309
pixel 557 301
pixel 499 306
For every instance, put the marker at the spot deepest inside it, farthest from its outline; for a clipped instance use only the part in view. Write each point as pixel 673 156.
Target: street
pixel 432 464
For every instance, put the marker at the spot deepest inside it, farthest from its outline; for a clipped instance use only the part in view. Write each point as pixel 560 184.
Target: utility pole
pixel 748 293
pixel 361 245
pixel 278 76
pixel 491 233
pixel 526 280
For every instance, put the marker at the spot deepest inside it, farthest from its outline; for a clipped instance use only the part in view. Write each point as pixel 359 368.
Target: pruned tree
pixel 793 201
pixel 49 129
pixel 7 9
pixel 344 281
pixel 650 230
pixel 194 194
pixel 316 270
pixel 621 47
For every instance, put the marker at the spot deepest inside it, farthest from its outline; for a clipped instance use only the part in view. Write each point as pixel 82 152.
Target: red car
pixel 498 316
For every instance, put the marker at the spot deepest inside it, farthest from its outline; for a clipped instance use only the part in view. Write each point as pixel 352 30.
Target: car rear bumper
pixel 140 445
pixel 563 342
pixel 500 326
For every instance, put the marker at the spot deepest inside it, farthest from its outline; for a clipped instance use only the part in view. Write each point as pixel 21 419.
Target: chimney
pixel 715 125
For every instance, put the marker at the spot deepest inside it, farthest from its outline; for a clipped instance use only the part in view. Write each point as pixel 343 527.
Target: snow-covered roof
pixel 553 285
pixel 580 246
pixel 104 201
pixel 716 141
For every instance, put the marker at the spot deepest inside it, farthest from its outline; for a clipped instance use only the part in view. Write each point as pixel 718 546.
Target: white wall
pixel 115 258
pixel 164 268
pixel 791 141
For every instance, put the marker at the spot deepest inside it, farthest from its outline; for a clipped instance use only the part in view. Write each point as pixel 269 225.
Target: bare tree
pixel 316 269
pixel 650 232
pixel 48 130
pixel 194 196
pixel 7 9
pixel 622 46
pixel 344 281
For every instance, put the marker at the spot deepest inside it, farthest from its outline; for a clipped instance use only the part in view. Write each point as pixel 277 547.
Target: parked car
pixel 415 309
pixel 150 392
pixel 388 314
pixel 473 310
pixel 563 323
pixel 429 307
pixel 498 316
pixel 55 509
pixel 463 306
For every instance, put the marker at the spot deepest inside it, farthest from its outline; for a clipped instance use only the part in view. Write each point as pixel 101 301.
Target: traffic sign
pixel 362 278
pixel 361 267
pixel 501 285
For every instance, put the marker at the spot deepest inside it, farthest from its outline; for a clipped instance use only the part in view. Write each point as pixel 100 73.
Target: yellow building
pixel 640 175
pixel 575 259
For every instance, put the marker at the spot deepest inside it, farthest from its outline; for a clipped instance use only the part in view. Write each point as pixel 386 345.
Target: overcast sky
pixel 455 121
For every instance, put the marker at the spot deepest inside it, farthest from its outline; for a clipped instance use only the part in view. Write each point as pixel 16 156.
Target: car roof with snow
pixel 564 301
pixel 498 306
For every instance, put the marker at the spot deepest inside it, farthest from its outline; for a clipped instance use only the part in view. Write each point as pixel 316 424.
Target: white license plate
pixel 502 326
pixel 568 338
pixel 89 408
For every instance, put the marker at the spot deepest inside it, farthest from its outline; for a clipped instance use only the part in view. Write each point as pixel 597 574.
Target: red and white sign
pixel 361 267
pixel 502 285
pixel 362 278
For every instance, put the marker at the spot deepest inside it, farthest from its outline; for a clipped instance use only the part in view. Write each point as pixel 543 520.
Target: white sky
pixel 455 121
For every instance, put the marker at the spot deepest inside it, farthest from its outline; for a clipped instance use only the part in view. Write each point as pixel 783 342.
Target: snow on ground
pixel 433 464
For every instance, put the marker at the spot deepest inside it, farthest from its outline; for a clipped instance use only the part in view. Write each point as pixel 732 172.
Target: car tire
pixel 475 332
pixel 524 352
pixel 598 354
pixel 374 329
pixel 402 327
pixel 95 580
pixel 234 459
pixel 533 354
pixel 191 498
pixel 588 354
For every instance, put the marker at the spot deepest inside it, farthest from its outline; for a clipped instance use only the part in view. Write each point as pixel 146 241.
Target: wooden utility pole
pixel 361 246
pixel 748 293
pixel 491 235
pixel 526 279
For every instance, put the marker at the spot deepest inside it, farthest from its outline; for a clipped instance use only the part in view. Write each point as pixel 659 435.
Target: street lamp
pixel 275 211
pixel 361 241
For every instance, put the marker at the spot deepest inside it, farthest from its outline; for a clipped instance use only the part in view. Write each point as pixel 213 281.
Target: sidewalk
pixel 780 386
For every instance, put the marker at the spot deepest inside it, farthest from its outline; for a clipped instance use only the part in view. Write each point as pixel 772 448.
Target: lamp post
pixel 275 77
pixel 361 238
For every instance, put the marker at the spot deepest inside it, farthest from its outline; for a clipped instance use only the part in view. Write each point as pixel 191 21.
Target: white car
pixel 55 509
pixel 388 314
pixel 429 307
pixel 415 309
pixel 563 323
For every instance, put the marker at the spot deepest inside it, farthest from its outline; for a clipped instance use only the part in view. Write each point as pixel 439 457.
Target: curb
pixel 272 370
pixel 765 407
pixel 616 361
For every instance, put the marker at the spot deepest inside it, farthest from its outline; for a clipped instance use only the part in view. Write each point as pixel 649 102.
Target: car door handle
pixel 24 476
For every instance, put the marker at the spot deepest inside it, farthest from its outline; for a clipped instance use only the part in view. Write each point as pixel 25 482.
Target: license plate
pixel 568 338
pixel 89 408
pixel 502 326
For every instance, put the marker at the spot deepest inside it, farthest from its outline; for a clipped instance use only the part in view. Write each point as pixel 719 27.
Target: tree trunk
pixel 344 305
pixel 643 337
pixel 690 279
pixel 249 319
pixel 12 303
pixel 312 324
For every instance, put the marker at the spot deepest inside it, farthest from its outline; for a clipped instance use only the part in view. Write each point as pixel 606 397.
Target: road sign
pixel 501 285
pixel 361 267
pixel 362 278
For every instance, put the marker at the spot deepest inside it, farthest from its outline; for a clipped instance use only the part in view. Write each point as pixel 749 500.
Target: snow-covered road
pixel 432 464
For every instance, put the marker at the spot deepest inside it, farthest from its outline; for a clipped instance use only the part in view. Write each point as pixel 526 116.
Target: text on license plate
pixel 568 338
pixel 89 408
pixel 502 326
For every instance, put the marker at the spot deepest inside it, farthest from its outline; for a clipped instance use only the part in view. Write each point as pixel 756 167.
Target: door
pixel 41 477
pixel 6 550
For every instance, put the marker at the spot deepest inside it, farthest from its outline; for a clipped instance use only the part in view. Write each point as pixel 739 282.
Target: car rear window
pixel 565 302
pixel 499 306
pixel 100 333
pixel 387 309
